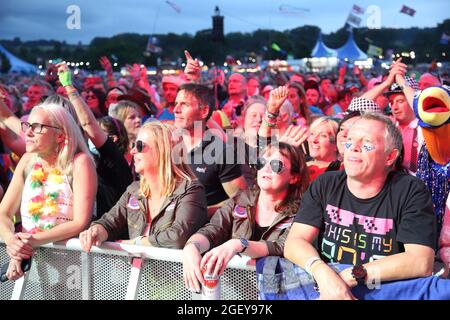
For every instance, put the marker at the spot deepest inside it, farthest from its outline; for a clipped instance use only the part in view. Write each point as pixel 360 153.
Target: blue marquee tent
pixel 350 50
pixel 320 50
pixel 18 65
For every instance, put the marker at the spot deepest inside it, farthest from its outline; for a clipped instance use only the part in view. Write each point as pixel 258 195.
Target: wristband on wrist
pixel 309 264
pixel 71 90
pixel 271 115
pixel 73 95
pixel 195 243
pixel 269 124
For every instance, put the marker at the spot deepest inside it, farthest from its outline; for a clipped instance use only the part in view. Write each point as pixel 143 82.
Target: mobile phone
pixel 25 265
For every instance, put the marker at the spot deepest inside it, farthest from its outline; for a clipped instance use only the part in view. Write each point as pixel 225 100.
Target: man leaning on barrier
pixel 379 220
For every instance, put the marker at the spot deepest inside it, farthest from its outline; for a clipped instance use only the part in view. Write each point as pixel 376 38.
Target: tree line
pixel 297 43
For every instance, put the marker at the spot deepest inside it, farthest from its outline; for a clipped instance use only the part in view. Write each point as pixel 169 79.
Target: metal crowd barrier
pixel 115 271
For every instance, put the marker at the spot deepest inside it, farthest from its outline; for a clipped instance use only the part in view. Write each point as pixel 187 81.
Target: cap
pixel 173 80
pixel 395 88
pixel 363 105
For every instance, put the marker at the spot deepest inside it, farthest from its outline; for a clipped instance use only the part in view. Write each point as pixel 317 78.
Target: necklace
pixel 45 202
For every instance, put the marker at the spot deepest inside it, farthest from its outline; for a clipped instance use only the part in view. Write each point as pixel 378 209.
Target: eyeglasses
pixel 277 166
pixel 35 127
pixel 139 145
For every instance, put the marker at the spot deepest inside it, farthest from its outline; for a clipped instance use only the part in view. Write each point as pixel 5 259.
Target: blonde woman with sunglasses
pixel 164 208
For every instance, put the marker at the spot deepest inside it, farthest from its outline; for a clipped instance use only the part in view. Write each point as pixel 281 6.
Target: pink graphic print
pixel 372 225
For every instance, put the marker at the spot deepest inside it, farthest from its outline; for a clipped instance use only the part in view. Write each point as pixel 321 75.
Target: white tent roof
pixel 18 65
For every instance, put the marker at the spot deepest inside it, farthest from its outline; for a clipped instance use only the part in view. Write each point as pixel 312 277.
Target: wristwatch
pixel 359 273
pixel 244 243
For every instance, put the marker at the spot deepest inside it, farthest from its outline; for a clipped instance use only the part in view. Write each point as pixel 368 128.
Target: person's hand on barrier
pixel 277 97
pixel 295 135
pixel 216 260
pixel 14 269
pixel 18 248
pixel 192 274
pixel 331 285
pixel 95 235
pixel 193 69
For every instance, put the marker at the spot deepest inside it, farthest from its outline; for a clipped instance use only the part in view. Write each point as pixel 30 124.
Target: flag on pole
pixel 174 6
pixel 374 51
pixel 152 45
pixel 355 16
pixel 357 9
pixel 407 10
pixel 291 9
pixel 444 38
pixel 354 20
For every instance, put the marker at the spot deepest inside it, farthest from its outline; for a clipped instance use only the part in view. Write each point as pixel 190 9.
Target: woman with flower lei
pixel 54 186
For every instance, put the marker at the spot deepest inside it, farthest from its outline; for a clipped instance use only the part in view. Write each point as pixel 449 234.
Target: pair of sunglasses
pixel 277 166
pixel 140 146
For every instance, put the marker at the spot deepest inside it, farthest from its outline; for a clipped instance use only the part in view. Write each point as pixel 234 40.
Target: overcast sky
pixel 46 19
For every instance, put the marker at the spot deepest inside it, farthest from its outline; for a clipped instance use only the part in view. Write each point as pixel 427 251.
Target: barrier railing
pixel 61 271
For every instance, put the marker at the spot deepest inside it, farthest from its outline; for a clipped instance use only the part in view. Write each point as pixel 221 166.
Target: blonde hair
pixel 170 171
pixel 123 108
pixel 332 125
pixel 74 142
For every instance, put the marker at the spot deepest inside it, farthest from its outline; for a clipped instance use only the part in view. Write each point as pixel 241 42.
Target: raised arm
pixel 84 113
pixel 407 90
pixel 396 68
pixel 276 100
pixel 10 129
pixel 193 69
pixel 106 64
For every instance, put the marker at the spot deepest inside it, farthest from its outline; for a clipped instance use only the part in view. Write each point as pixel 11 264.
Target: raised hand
pixel 397 68
pixel 143 73
pixel 193 68
pixel 64 75
pixel 276 99
pixel 342 70
pixel 106 64
pixel 135 72
pixel 295 135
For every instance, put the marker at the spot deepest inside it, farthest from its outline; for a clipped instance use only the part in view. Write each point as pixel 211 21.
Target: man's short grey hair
pixel 392 136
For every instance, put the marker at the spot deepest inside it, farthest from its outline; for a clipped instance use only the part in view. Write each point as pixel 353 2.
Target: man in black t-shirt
pixel 212 160
pixel 379 220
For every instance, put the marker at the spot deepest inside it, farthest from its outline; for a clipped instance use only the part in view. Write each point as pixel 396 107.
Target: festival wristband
pixel 269 124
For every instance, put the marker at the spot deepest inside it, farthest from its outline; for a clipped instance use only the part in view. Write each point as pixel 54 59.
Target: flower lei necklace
pixel 45 203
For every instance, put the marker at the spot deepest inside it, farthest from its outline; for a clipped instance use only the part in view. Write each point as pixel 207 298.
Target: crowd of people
pixel 347 168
